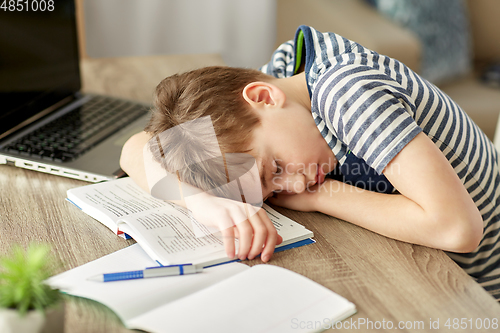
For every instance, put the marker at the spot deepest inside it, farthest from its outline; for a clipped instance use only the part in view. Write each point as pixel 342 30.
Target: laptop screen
pixel 38 58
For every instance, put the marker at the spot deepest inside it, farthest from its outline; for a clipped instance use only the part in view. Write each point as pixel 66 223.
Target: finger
pixel 272 237
pixel 279 240
pixel 228 239
pixel 245 237
pixel 259 235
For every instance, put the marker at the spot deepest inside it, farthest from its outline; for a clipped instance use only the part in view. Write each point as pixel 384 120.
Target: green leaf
pixel 21 279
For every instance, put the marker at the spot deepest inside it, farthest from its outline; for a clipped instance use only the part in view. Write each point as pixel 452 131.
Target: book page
pixel 265 298
pixel 290 230
pixel 109 201
pixel 167 236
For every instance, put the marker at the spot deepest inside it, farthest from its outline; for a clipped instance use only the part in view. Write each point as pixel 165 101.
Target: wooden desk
pixel 389 281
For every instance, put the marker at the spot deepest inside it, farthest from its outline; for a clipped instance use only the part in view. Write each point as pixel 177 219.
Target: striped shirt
pixel 372 105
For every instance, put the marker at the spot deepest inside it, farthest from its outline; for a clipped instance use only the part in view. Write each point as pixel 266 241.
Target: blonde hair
pixel 211 91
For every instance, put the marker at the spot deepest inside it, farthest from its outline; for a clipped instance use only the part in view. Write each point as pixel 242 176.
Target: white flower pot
pixel 33 321
pixel 12 322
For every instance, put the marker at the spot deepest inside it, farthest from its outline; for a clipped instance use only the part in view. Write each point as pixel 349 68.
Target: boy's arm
pixel 132 160
pixel 433 207
pixel 256 234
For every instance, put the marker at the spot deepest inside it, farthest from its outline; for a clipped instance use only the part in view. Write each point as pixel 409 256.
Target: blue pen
pixel 148 273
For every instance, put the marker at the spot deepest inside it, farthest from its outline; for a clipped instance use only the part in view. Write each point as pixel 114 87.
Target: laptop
pixel 46 123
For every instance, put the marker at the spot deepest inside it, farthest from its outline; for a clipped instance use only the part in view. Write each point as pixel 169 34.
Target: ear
pixel 263 93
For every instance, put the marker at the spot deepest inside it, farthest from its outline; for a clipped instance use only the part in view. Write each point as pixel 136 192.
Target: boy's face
pixel 291 153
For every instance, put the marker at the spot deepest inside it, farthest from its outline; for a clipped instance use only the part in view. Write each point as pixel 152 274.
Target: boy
pixel 414 166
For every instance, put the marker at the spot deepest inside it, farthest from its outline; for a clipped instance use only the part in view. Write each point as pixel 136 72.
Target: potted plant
pixel 25 300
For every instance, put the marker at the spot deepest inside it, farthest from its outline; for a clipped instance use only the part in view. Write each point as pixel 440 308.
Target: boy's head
pixel 251 112
pixel 211 91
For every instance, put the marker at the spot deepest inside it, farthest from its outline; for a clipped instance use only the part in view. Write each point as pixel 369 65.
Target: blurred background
pixel 453 43
pixel 243 32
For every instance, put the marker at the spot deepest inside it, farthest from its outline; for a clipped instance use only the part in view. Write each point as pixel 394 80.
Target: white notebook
pixel 226 298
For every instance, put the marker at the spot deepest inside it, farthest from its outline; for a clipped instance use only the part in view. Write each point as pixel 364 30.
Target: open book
pixel 226 298
pixel 165 230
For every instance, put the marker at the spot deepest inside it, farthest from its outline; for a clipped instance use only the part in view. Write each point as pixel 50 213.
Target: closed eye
pixel 277 169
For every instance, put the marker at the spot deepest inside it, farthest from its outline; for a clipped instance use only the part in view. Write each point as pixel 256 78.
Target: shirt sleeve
pixel 367 110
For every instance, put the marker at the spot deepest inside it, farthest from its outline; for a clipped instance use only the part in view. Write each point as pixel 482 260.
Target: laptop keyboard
pixel 71 135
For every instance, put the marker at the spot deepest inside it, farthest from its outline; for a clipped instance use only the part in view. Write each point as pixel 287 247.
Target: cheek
pixel 300 143
pixel 322 146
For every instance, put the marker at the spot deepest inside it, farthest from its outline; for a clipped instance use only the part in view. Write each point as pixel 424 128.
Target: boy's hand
pixel 251 225
pixel 257 234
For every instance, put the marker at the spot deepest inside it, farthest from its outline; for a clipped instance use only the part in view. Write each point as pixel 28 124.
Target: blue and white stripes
pixel 373 106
